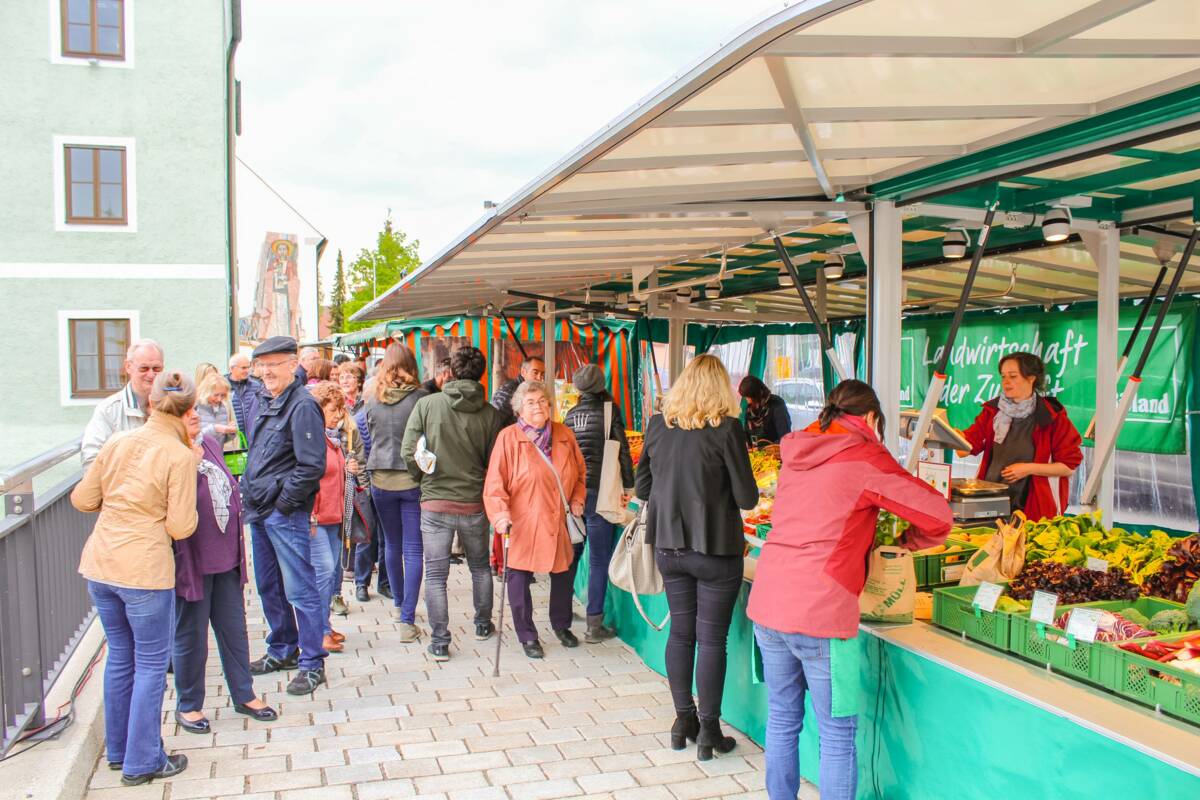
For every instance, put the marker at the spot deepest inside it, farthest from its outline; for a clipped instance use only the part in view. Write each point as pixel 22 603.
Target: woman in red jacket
pixel 1027 440
pixel 835 478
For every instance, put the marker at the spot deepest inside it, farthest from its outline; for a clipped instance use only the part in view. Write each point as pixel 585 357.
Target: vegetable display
pixel 1177 576
pixel 1072 540
pixel 1169 621
pixel 1181 654
pixel 889 528
pixel 636 442
pixel 1111 628
pixel 1073 584
pixel 765 465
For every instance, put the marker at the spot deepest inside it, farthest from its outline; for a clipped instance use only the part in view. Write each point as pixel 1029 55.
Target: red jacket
pixel 1054 440
pixel 831 487
pixel 330 505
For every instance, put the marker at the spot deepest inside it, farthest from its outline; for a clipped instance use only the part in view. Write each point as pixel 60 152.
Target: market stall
pixel 849 166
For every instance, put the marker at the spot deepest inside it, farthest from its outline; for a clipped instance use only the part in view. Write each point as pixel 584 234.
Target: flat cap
pixel 277 344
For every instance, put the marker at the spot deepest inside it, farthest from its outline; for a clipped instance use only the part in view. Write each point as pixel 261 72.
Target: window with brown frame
pixel 96 189
pixel 98 356
pixel 94 29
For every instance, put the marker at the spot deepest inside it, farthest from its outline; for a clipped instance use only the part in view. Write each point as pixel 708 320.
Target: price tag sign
pixel 987 595
pixel 1044 606
pixel 1097 564
pixel 1083 622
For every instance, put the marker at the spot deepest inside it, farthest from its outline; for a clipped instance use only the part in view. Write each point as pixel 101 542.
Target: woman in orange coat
pixel 523 496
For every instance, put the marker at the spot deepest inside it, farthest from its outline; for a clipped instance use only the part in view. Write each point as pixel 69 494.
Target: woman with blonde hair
pixel 203 370
pixel 143 483
pixel 215 409
pixel 694 475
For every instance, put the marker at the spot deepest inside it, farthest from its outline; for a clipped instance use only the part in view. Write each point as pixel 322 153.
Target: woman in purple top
pixel 210 571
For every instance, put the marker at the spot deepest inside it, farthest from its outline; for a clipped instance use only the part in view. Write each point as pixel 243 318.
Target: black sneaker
pixel 567 638
pixel 361 594
pixel 484 631
pixel 440 652
pixel 386 591
pixel 454 559
pixel 268 664
pixel 175 764
pixel 306 681
pixel 534 649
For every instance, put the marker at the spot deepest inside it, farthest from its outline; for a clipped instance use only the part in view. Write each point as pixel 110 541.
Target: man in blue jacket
pixel 283 470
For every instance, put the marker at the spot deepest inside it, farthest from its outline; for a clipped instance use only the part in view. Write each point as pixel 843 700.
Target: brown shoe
pixel 338 637
pixel 332 645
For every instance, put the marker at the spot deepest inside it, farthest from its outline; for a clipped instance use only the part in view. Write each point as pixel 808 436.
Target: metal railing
pixel 44 603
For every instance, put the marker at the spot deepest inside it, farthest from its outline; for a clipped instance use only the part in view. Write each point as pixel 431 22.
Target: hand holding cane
pixel 503 592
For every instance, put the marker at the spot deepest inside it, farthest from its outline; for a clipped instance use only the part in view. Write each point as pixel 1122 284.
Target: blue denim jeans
pixel 140 627
pixel 403 551
pixel 287 584
pixel 600 550
pixel 324 544
pixel 437 532
pixel 795 664
pixel 365 558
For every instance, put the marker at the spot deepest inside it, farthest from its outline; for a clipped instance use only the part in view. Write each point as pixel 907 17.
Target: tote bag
pixel 608 498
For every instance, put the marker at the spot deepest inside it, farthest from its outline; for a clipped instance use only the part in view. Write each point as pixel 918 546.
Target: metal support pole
pixel 817 320
pixel 676 333
pixel 885 250
pixel 549 323
pixel 1108 295
pixel 1106 446
pixel 938 381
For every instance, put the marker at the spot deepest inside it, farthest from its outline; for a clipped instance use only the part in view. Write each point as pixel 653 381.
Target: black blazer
pixel 695 482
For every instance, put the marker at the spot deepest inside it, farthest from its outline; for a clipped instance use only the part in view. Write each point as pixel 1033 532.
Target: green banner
pixel 1066 341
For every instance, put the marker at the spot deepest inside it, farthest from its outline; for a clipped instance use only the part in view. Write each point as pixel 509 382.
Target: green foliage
pixel 375 271
pixel 337 297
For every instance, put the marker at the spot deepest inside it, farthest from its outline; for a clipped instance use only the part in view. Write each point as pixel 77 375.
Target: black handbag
pixel 363 517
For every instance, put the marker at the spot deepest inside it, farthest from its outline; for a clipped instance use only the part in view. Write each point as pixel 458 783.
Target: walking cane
pixel 503 592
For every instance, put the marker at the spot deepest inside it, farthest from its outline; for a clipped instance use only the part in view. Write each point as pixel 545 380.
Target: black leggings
pixel 701 592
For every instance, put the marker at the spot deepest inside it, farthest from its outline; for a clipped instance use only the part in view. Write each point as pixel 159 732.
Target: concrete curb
pixel 59 769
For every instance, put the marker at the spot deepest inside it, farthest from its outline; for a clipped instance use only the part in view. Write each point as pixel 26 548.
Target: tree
pixel 337 297
pixel 373 272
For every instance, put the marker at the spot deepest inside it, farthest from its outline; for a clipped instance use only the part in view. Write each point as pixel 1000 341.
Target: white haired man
pixel 125 410
pixel 308 357
pixel 246 392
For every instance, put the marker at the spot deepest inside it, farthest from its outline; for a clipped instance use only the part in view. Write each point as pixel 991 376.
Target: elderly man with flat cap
pixel 283 470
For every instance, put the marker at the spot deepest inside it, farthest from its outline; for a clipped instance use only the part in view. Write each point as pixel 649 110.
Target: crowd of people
pixel 389 476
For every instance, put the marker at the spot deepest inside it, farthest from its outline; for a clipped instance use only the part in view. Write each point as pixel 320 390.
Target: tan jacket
pixel 143 483
pixel 520 487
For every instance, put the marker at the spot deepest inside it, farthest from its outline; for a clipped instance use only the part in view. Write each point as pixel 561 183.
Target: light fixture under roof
pixel 713 290
pixel 683 296
pixel 634 304
pixel 834 267
pixel 1056 225
pixel 785 278
pixel 954 244
pixel 622 301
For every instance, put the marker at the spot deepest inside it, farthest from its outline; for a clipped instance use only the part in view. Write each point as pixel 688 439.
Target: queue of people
pixel 166 560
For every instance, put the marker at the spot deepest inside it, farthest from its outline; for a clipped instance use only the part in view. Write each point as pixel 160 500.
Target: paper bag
pixel 1000 559
pixel 891 586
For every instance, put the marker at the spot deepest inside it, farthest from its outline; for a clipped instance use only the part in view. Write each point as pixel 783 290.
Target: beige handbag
pixel 632 568
pixel 608 497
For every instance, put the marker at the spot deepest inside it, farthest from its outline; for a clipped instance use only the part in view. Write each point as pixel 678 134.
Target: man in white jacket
pixel 125 410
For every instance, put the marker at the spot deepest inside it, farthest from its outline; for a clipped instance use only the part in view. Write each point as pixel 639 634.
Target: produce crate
pixel 1173 691
pixel 942 569
pixel 1093 663
pixel 953 610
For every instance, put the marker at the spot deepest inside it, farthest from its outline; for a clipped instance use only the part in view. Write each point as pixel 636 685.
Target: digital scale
pixel 971 500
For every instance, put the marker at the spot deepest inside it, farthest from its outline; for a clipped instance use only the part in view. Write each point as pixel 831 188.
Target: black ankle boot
pixel 685 729
pixel 710 738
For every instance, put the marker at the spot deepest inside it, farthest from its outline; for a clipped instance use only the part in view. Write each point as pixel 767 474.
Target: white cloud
pixel 431 109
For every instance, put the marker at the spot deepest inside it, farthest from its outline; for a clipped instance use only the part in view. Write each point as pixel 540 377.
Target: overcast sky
pixel 429 109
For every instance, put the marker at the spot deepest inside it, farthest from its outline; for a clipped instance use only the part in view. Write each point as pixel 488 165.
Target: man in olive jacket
pixel 460 428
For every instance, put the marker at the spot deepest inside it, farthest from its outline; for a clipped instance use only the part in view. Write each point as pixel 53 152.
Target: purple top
pixel 209 551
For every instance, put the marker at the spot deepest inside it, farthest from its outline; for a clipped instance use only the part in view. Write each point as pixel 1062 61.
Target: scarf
pixel 539 436
pixel 219 490
pixel 1010 410
pixel 756 418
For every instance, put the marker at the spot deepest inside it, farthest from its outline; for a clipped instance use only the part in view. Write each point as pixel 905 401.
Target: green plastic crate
pixel 236 459
pixel 942 569
pixel 1173 691
pixel 1085 661
pixel 953 610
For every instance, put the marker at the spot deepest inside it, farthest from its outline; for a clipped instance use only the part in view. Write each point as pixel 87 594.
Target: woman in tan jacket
pixel 523 497
pixel 143 483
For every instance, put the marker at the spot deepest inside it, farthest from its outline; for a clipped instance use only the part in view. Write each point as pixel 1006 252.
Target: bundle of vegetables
pixel 1182 654
pixel 1071 540
pixel 1179 571
pixel 889 528
pixel 1072 584
pixel 765 464
pixel 1112 627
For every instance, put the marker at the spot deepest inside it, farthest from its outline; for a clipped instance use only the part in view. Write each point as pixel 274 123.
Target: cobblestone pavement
pixel 590 722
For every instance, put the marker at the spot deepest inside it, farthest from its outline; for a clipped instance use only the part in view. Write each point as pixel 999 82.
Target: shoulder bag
pixel 576 528
pixel 608 497
pixel 632 568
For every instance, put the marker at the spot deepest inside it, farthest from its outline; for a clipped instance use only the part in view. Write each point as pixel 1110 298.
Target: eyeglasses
pixel 536 402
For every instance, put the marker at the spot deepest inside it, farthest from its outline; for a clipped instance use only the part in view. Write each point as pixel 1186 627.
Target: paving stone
pixel 207 787
pixel 281 781
pixel 545 789
pixel 481 793
pixel 534 755
pixel 248 766
pixel 571 768
pixel 319 793
pixel 385 790
pixel 433 749
pixel 412 768
pixel 644 793
pixel 473 761
pixel 720 786
pixel 353 773
pixel 449 783
pixel 322 758
pixel 522 774
pixel 607 781
pixel 372 755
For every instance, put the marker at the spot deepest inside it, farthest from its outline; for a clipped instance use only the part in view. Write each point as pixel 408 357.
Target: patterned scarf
pixel 539 436
pixel 1009 411
pixel 219 490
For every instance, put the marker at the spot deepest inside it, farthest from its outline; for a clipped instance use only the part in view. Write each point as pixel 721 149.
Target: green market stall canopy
pixel 800 123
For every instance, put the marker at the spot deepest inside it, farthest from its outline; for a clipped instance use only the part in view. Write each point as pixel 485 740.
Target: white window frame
pixel 64 347
pixel 56 53
pixel 61 143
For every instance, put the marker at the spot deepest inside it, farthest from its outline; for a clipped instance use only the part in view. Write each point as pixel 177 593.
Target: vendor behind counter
pixel 1027 440
pixel 766 419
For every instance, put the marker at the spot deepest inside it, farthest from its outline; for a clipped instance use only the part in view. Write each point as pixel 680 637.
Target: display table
pixel 947 718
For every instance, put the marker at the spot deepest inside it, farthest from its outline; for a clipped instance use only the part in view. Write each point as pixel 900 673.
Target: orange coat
pixel 519 487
